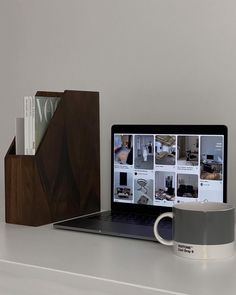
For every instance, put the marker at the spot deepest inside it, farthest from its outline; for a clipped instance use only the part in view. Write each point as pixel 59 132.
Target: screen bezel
pixel 164 129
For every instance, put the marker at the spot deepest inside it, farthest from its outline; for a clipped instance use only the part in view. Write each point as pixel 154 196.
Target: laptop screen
pixel 164 169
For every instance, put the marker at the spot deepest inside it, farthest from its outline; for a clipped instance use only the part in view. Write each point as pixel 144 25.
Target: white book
pixel 38 111
pixel 26 125
pixel 33 126
pixel 19 136
pixel 30 125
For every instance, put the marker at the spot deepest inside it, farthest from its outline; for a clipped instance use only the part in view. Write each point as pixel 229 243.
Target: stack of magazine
pixel 38 111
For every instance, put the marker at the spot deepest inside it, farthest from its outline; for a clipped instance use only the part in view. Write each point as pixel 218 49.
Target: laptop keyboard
pixel 129 218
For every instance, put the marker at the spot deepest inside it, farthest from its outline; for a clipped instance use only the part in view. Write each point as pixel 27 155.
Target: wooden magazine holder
pixel 63 179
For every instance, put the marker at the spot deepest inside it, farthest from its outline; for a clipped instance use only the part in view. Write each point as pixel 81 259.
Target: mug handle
pixel 155 229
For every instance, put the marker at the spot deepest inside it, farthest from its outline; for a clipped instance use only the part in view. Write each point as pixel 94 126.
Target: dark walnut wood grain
pixel 63 179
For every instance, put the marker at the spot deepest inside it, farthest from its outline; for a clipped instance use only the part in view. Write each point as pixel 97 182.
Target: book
pixel 43 109
pixel 38 111
pixel 26 125
pixel 33 125
pixel 30 126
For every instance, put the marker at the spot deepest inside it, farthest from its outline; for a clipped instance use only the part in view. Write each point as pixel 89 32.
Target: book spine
pixel 33 126
pixel 30 125
pixel 26 125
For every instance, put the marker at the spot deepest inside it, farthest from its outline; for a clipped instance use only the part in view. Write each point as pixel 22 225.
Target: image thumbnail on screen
pixel 211 157
pixel 123 149
pixel 144 152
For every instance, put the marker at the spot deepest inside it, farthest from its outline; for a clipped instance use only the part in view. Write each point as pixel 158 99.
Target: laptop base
pixel 121 224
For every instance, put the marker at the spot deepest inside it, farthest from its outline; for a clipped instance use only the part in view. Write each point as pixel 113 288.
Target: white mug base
pixel 203 251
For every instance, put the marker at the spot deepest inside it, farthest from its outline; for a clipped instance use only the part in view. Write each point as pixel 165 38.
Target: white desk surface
pixel 53 261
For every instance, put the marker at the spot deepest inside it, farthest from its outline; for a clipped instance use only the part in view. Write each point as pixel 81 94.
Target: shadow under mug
pixel 200 230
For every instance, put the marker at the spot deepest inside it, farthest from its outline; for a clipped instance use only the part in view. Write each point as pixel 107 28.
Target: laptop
pixel 154 167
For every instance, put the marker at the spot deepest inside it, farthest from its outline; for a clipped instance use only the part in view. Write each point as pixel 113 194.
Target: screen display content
pixel 164 169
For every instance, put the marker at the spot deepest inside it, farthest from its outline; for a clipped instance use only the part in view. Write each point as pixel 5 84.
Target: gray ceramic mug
pixel 200 230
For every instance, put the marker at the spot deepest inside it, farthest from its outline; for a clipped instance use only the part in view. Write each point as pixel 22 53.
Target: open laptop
pixel 154 167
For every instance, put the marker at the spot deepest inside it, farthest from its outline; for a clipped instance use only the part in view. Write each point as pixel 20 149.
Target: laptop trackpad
pixel 127 229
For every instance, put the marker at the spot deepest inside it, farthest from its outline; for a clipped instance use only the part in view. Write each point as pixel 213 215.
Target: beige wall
pixel 153 61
